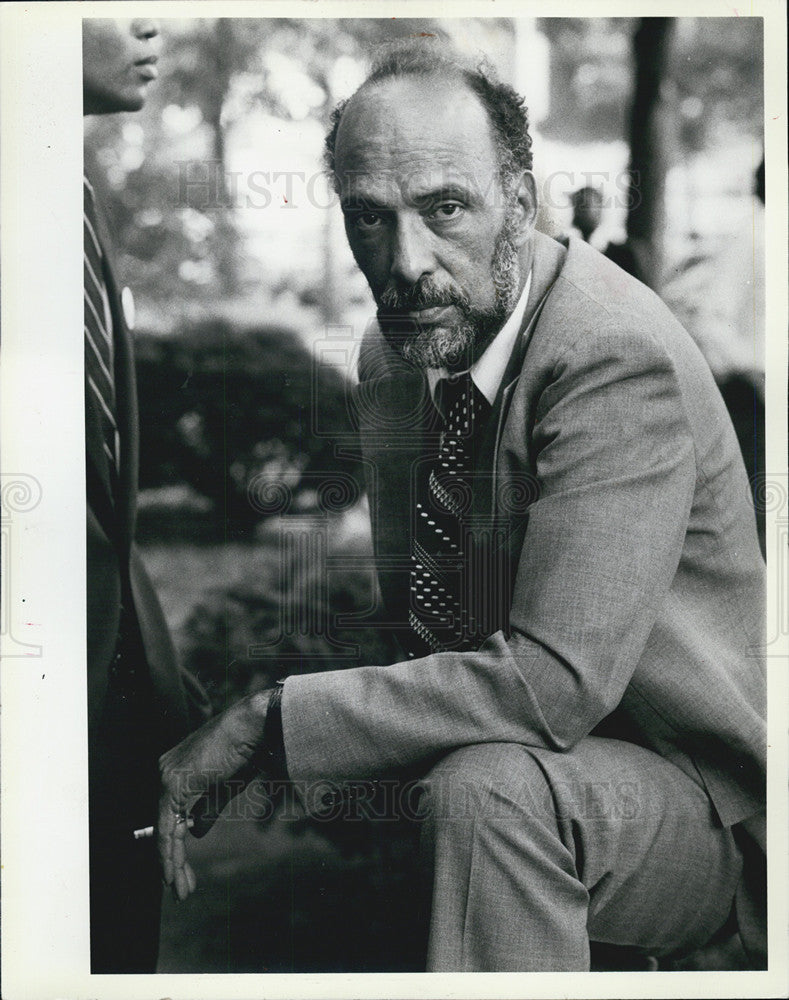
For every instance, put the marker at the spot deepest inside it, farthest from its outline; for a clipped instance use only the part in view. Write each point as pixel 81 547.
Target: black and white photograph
pixel 394 564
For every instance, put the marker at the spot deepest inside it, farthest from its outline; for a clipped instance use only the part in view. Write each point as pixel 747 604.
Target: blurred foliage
pixel 713 82
pixel 180 242
pixel 216 409
pixel 184 251
pixel 291 620
pixel 717 69
pixel 232 412
pixel 591 77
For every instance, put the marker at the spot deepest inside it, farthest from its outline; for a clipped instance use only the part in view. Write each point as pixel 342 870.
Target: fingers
pixel 177 794
pixel 181 868
pixel 176 869
pixel 171 835
pixel 185 882
pixel 207 765
pixel 165 830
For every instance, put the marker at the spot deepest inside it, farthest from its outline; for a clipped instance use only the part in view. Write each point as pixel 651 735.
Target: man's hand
pixel 213 764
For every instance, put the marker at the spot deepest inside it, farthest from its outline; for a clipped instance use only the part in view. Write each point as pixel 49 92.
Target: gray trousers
pixel 533 853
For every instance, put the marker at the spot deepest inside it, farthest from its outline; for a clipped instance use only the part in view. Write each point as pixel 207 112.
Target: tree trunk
pixel 224 235
pixel 649 138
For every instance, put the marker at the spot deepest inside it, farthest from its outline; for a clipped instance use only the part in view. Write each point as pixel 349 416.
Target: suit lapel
pixel 123 491
pixel 548 258
pixel 495 526
pixel 125 414
pixel 99 482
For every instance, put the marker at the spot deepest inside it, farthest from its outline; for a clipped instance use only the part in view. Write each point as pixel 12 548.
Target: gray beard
pixel 449 347
pixel 458 346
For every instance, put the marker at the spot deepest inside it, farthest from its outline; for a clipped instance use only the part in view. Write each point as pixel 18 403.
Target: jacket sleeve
pixel 614 457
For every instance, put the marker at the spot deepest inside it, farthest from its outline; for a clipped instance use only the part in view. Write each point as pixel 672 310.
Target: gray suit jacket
pixel 637 601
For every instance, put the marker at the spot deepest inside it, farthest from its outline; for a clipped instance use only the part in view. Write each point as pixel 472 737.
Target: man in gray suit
pixel 567 549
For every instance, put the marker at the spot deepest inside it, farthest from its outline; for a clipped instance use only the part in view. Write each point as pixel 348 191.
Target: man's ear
pixel 525 196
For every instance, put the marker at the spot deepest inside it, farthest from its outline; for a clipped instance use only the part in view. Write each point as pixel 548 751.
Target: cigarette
pixel 149 831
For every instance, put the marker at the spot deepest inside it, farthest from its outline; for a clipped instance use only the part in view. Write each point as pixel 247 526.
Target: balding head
pixel 439 66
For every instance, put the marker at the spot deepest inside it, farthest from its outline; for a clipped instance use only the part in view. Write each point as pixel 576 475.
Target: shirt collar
pixel 488 370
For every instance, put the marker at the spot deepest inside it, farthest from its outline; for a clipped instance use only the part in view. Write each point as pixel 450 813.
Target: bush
pixel 268 625
pixel 225 409
pixel 264 626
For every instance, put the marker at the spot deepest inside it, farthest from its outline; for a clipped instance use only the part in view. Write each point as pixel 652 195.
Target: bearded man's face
pixel 427 219
pixel 455 343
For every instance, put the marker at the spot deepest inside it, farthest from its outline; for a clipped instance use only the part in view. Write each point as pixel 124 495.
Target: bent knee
pixel 486 780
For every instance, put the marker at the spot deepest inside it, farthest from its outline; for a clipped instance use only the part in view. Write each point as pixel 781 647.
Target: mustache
pixel 424 294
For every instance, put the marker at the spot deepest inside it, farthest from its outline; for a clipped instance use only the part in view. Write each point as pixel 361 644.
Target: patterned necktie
pixel 439 605
pixel 99 353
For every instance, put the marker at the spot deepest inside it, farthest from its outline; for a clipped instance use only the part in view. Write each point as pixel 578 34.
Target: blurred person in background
pixel 138 700
pixel 723 292
pixel 583 712
pixel 727 287
pixel 587 205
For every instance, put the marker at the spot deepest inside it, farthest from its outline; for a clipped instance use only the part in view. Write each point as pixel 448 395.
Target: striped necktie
pixel 439 600
pixel 99 347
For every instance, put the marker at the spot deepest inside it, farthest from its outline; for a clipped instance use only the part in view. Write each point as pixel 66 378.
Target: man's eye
pixel 365 221
pixel 447 210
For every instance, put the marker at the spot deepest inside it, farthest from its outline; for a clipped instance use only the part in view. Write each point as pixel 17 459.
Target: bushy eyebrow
pixel 447 192
pixel 357 204
pixel 425 200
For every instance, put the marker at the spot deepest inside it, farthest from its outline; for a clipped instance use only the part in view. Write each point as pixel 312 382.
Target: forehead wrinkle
pixel 386 189
pixel 398 130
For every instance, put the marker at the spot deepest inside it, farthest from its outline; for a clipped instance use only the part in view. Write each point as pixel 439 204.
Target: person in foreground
pixel 137 698
pixel 567 549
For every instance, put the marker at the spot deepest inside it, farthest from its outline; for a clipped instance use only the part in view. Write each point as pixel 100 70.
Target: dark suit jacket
pixel 637 602
pixel 115 572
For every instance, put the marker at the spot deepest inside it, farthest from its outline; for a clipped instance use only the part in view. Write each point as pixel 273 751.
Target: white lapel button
pixel 127 304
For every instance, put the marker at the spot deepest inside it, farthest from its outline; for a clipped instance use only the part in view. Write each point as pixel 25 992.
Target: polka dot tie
pixel 438 600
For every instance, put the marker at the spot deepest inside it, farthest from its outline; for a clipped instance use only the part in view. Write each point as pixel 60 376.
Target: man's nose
pixel 145 28
pixel 412 257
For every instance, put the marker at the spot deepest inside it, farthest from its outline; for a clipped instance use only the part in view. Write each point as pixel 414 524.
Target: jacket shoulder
pixel 595 300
